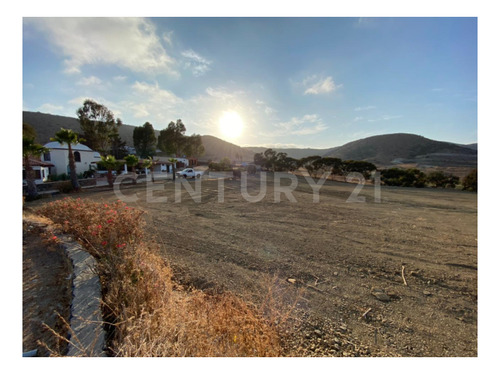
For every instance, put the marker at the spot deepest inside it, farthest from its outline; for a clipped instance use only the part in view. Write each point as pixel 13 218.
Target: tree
pixel 69 137
pixel 332 165
pixel 309 164
pixel 174 162
pixel 193 146
pixel 172 140
pixel 110 164
pixel 145 140
pixel 353 166
pixel 132 161
pixel 31 149
pixel 29 132
pixel 149 164
pixel 440 179
pixel 469 182
pixel 259 159
pixel 402 177
pixel 117 145
pixel 98 125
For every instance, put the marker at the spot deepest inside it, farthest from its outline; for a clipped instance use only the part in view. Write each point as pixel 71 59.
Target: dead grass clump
pixel 149 313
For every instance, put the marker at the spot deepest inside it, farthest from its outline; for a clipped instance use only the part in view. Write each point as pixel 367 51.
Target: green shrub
pixel 469 182
pixel 251 169
pixel 440 179
pixel 65 187
pixel 403 177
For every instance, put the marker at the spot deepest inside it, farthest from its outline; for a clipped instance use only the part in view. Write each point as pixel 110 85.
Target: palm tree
pixel 173 161
pixel 69 137
pixel 31 149
pixel 132 161
pixel 149 164
pixel 109 163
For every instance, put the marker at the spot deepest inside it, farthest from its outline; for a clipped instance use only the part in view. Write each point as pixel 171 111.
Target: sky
pixel 274 82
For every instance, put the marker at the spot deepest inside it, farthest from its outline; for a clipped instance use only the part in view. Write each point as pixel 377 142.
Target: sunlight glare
pixel 230 125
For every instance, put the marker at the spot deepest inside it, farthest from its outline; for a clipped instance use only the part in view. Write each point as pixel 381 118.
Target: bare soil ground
pixel 341 267
pixel 46 293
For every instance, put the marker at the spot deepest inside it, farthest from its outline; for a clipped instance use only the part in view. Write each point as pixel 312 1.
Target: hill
pixel 46 125
pixel 216 149
pixel 382 150
pixel 393 149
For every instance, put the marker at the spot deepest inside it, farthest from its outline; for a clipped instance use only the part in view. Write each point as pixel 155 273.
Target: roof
pixel 37 162
pixel 74 147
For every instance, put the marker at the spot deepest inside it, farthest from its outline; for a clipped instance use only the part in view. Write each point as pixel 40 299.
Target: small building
pixel 85 158
pixel 40 168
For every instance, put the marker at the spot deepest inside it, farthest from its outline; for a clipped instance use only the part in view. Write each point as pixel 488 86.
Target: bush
pixel 469 182
pixel 251 169
pixel 220 166
pixel 440 179
pixel 149 313
pixel 58 177
pixel 65 187
pixel 403 177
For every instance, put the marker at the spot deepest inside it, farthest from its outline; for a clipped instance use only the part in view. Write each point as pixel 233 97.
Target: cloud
pixel 363 108
pixel 196 63
pixel 150 98
pixel 309 124
pixel 267 109
pixel 130 43
pixel 321 86
pixel 90 81
pixel 384 118
pixel 223 94
pixel 120 78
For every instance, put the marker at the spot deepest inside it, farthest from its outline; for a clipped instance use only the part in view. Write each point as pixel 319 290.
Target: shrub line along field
pixel 395 278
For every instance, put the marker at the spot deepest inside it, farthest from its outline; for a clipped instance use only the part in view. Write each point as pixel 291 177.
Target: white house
pixel 41 170
pixel 85 158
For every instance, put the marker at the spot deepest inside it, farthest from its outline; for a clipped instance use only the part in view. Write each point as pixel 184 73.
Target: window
pixel 77 157
pixel 46 156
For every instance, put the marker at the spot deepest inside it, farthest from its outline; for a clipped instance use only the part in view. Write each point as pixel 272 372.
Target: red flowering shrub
pixel 101 227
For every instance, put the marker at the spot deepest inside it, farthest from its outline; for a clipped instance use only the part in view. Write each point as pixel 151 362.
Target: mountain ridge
pixel 383 150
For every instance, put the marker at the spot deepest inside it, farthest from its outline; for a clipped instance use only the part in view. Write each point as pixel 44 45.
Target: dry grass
pixel 149 313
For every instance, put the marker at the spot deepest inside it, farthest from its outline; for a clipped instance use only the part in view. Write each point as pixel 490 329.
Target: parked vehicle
pixel 189 173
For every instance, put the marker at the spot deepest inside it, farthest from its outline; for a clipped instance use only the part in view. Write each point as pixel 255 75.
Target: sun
pixel 231 125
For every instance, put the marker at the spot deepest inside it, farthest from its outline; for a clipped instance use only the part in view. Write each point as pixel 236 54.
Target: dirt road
pixel 341 266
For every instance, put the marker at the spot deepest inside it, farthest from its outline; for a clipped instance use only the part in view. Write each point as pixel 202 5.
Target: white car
pixel 189 173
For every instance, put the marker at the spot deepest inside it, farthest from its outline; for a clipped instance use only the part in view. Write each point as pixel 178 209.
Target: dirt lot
pixel 341 266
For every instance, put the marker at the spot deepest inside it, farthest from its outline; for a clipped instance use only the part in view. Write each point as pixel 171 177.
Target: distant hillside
pixel 46 125
pixel 216 149
pixel 297 153
pixel 393 149
pixel 382 150
pixel 471 146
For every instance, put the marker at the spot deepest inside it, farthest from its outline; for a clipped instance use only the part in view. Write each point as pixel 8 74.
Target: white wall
pixel 59 157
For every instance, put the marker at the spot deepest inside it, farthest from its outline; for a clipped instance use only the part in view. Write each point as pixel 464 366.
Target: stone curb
pixel 87 336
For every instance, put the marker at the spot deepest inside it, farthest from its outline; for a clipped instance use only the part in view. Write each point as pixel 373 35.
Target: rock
pixel 381 295
pixel 427 293
pixel 292 280
pixel 335 273
pixel 318 332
